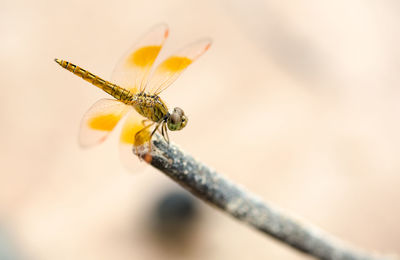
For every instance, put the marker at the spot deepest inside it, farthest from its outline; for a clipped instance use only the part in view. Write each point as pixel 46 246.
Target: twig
pixel 211 187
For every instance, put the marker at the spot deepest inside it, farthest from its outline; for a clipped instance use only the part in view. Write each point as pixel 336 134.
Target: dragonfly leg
pixel 155 129
pixel 145 121
pixel 165 132
pixel 152 133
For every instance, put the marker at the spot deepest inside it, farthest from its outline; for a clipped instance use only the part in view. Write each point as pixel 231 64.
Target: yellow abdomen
pixel 119 93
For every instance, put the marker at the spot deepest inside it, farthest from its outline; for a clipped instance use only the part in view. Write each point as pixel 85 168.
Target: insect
pixel 136 86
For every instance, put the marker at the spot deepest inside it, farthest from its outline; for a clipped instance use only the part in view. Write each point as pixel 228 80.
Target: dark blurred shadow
pixel 173 220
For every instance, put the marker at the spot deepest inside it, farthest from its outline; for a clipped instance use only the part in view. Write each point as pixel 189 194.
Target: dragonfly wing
pixel 170 69
pixel 100 120
pixel 133 68
pixel 133 140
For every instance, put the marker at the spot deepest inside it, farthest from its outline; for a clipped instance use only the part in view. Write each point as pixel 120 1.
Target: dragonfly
pixel 136 84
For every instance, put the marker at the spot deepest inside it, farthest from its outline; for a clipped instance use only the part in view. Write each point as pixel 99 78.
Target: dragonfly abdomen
pixel 119 93
pixel 150 106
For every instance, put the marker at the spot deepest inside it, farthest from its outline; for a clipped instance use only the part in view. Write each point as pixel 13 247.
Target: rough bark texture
pixel 208 185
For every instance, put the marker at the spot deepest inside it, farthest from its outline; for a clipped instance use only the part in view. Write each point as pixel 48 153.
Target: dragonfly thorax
pixel 150 106
pixel 153 108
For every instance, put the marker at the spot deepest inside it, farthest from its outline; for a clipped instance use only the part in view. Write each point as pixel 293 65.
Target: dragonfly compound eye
pixel 177 120
pixel 179 111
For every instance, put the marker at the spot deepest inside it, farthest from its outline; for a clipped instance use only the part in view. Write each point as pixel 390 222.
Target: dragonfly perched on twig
pixel 136 86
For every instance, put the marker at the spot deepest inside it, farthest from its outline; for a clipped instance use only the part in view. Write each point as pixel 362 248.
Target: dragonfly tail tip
pixel 58 61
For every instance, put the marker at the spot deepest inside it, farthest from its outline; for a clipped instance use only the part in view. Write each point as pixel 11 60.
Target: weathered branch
pixel 213 188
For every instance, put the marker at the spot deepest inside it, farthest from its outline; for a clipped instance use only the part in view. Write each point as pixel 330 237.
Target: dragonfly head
pixel 177 120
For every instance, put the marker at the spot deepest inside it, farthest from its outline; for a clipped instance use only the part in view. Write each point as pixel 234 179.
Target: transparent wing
pixel 133 68
pixel 170 69
pixel 130 143
pixel 100 120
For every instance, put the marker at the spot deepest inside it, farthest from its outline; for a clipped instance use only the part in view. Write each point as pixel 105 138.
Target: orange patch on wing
pixel 142 138
pixel 128 134
pixel 104 122
pixel 175 64
pixel 144 56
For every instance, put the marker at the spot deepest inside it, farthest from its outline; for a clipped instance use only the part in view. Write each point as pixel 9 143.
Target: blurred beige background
pixel 296 100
